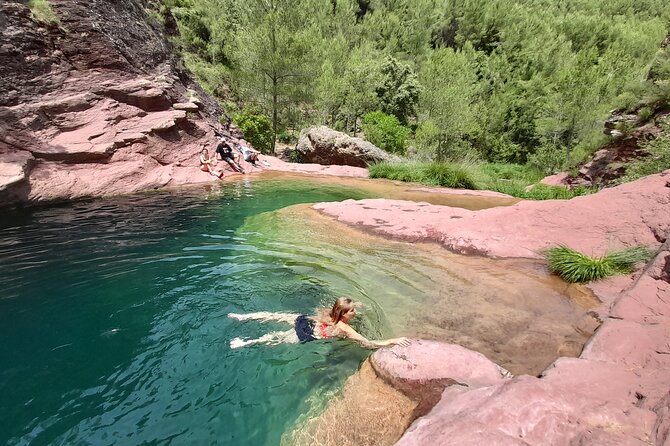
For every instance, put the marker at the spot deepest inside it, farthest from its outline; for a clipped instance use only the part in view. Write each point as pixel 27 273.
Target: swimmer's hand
pixel 403 342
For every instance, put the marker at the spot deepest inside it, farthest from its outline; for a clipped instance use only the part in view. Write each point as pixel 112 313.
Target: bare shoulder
pixel 344 327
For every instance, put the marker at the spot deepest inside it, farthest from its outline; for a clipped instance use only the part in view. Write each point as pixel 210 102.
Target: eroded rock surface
pixel 95 105
pixel 422 370
pixel 86 104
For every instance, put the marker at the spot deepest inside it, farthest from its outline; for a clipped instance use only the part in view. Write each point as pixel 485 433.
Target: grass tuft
pixel 624 261
pixel 575 267
pixel 42 12
pixel 431 174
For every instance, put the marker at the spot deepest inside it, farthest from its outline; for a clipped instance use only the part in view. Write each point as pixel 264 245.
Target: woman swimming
pixel 325 325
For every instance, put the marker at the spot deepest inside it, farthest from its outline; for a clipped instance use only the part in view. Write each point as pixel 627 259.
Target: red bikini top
pixel 324 333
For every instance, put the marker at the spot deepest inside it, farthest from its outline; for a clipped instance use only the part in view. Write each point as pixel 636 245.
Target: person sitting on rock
pixel 226 153
pixel 325 325
pixel 207 164
pixel 250 155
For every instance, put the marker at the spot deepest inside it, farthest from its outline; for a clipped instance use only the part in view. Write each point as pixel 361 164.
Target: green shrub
pixel 426 138
pixel 627 101
pixel 214 79
pixel 645 113
pixel 295 156
pixel 447 175
pixel 510 179
pixel 42 12
pixel 502 149
pixel 545 192
pixel 286 137
pixel 625 127
pixel 256 127
pixel 576 267
pixel 386 132
pixel 512 172
pixel 547 159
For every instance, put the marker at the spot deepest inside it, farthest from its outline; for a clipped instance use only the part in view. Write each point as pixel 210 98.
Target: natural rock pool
pixel 113 326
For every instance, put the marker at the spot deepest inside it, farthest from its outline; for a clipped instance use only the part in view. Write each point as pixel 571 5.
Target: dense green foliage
pixel 574 266
pixel 521 81
pixel 510 179
pixel 256 127
pixel 386 132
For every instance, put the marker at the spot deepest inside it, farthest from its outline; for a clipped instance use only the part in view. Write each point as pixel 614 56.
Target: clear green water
pixel 113 326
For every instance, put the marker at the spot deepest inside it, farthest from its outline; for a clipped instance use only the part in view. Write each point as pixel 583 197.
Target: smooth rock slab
pixel 186 106
pixel 631 214
pixel 579 402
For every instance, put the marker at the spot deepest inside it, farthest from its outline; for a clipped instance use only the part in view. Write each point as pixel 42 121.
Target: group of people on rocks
pixel 226 153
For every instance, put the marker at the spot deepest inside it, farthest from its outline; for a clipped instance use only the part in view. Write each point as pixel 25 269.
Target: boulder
pixel 323 145
pixel 425 368
pixel 14 167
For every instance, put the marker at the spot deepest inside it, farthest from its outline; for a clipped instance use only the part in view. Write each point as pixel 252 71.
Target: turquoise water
pixel 113 326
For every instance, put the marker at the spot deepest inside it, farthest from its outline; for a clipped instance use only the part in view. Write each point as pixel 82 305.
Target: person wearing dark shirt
pixel 226 153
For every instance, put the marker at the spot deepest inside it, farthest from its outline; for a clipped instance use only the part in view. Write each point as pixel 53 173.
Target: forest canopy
pixel 526 81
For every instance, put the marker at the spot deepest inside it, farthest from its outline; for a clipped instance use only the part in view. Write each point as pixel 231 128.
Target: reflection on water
pixel 113 326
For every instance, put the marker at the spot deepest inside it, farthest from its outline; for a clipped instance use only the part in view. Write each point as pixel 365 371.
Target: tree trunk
pixel 274 113
pixel 275 83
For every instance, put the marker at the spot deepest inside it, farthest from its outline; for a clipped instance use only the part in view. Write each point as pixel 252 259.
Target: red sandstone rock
pixel 636 213
pixel 422 370
pixel 14 167
pixel 450 191
pixel 618 392
pixel 425 361
pixel 555 180
pixel 186 106
pixel 337 170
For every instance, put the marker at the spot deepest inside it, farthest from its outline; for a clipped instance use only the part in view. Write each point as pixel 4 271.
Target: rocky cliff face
pixel 93 104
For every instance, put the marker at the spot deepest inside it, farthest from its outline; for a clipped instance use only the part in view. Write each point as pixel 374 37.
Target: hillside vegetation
pixel 526 82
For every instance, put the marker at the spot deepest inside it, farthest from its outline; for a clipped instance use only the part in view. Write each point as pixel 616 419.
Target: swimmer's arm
pixel 367 343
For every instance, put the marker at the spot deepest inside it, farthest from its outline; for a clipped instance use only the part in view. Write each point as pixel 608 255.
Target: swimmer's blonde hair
pixel 341 307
